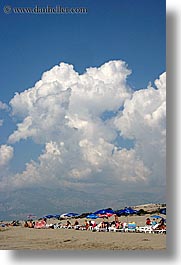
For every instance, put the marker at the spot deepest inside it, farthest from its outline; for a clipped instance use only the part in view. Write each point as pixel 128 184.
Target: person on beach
pixel 161 224
pixel 68 225
pixel 90 225
pixel 154 222
pixel 76 223
pixel 116 219
pixel 30 225
pixel 148 221
pixel 86 225
pixel 26 224
pixel 118 225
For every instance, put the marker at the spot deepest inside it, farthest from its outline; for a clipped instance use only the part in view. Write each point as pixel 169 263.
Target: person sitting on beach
pixel 30 225
pixel 99 225
pixel 161 225
pixel 107 225
pixel 154 222
pixel 118 226
pixel 26 224
pixel 86 225
pixel 13 223
pixel 76 223
pixel 68 225
pixel 103 225
pixel 90 225
pixel 93 224
pixel 148 221
pixel 121 225
pixel 124 224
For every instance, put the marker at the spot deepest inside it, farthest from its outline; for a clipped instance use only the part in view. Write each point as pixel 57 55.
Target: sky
pixel 83 100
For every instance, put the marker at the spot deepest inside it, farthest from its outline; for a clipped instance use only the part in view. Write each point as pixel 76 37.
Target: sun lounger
pixel 114 229
pixel 159 231
pixel 149 229
pixel 144 229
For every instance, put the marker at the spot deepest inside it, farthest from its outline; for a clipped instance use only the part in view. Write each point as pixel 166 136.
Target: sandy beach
pixel 22 238
pixel 70 239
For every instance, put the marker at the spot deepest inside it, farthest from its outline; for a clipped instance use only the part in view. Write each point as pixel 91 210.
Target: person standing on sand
pixel 116 219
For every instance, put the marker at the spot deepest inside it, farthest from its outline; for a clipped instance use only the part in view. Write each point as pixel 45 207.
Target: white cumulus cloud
pixel 3 106
pixel 6 154
pixel 64 111
pixel 144 121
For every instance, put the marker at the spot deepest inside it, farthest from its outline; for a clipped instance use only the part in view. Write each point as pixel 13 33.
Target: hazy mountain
pixel 18 204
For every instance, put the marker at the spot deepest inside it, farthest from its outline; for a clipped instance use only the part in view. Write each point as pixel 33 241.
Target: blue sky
pixel 130 30
pixel 111 31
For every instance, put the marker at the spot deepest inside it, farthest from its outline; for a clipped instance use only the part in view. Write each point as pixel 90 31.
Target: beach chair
pixel 131 227
pixel 114 229
pixel 145 229
pixel 159 231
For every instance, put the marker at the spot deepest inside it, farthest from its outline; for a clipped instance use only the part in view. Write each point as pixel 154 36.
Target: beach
pixel 69 239
pixel 17 238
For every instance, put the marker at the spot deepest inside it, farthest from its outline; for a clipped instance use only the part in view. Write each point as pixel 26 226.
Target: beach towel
pixel 40 224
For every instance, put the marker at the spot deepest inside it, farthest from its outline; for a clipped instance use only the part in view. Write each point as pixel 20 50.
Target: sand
pixel 70 239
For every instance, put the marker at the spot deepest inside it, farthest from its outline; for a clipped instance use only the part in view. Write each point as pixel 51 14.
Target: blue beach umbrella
pixel 120 212
pixel 163 211
pixel 126 211
pixel 156 216
pixel 92 216
pixel 105 211
pixel 51 216
pixel 72 214
pixel 48 216
pixel 56 216
pixel 129 210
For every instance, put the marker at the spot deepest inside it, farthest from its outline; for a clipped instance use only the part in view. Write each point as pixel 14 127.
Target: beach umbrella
pixel 64 215
pixel 51 216
pixel 105 211
pixel 56 216
pixel 156 216
pixel 126 211
pixel 106 215
pixel 48 216
pixel 92 216
pixel 69 215
pixel 120 212
pixel 129 210
pixel 163 211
